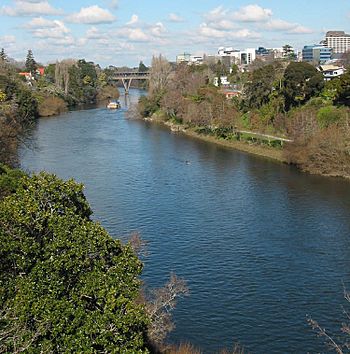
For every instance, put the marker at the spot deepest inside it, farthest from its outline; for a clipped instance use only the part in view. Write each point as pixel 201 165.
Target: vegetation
pixel 282 98
pixel 66 285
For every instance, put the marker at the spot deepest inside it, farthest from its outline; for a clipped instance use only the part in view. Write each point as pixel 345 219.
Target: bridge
pixel 127 77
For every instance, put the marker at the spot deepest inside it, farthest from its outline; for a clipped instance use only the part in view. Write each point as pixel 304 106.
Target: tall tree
pixel 3 56
pixel 31 64
pixel 159 75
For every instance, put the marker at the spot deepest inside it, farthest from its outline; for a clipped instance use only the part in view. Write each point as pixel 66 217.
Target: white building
pixel 241 57
pixel 189 59
pixel 183 58
pixel 330 71
pixel 339 41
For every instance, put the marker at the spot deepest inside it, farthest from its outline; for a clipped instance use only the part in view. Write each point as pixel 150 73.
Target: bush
pixel 51 105
pixel 328 115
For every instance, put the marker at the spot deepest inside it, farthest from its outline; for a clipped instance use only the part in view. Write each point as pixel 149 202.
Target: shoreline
pixel 258 150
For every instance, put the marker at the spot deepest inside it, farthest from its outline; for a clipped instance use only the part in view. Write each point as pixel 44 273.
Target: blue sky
pixel 123 32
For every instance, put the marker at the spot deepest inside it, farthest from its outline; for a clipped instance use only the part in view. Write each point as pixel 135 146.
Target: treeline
pixel 287 99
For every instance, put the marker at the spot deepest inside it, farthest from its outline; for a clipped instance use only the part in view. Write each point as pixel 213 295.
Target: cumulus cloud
pixel 252 13
pixel 158 29
pixel 30 8
pixel 175 18
pixel 91 15
pixel 54 31
pixel 285 26
pixel 210 32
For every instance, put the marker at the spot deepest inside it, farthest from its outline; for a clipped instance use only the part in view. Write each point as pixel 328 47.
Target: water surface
pixel 261 244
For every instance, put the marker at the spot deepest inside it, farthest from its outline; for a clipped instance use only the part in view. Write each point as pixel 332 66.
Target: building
pixel 239 57
pixel 316 54
pixel 331 71
pixel 189 59
pixel 339 41
pixel 183 58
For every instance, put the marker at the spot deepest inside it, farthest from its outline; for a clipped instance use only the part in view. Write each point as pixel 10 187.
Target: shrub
pixel 328 115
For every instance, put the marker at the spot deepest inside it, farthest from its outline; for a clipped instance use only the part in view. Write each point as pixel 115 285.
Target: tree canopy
pixel 65 284
pixel 301 82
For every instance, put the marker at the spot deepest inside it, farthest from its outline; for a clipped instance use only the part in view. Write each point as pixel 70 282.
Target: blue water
pixel 260 244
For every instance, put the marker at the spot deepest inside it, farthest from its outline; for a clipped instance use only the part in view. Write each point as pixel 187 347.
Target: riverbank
pixel 259 150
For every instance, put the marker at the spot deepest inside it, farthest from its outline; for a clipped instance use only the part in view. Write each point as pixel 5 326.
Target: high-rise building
pixel 339 41
pixel 316 54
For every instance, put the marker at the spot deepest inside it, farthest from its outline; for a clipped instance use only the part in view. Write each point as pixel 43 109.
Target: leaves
pixel 66 285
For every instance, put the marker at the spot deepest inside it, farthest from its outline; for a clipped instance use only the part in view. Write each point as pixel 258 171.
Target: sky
pixel 125 32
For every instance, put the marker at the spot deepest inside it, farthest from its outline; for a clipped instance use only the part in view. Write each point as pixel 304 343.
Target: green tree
pixel 301 82
pixel 260 87
pixel 343 89
pixel 65 284
pixel 142 67
pixel 31 64
pixel 3 56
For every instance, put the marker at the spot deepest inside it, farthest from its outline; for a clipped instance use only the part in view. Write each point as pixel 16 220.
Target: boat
pixel 113 105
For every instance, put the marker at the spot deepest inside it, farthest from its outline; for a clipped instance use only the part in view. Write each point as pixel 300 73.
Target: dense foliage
pixel 65 284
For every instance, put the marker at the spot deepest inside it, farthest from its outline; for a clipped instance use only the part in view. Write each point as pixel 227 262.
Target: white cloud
pixel 30 8
pixel 50 29
pixel 133 34
pixel 216 14
pixel 92 15
pixel 299 29
pixel 158 29
pixel 210 32
pixel 134 19
pixel 175 18
pixel 93 33
pixel 252 13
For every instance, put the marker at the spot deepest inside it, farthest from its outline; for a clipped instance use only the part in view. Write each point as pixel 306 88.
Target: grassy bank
pixel 245 146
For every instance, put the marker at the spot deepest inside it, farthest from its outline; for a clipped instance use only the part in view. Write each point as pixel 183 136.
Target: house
pixel 331 71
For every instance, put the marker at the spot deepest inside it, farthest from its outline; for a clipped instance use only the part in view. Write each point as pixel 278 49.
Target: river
pixel 261 245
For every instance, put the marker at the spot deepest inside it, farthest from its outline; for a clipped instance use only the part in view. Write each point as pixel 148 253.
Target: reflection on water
pixel 260 244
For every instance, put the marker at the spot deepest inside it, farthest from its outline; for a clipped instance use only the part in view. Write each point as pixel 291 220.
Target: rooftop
pixel 337 34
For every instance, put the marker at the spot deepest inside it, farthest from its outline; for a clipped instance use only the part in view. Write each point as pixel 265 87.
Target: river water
pixel 261 245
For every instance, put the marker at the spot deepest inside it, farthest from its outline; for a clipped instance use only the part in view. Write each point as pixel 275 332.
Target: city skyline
pixel 111 32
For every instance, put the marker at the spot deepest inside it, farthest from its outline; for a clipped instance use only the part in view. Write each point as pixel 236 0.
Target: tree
pixel 288 52
pixel 260 87
pixel 301 82
pixel 343 89
pixel 3 56
pixel 31 64
pixel 65 284
pixel 159 75
pixel 142 67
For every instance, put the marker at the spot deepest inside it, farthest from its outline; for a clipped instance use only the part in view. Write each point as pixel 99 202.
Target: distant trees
pixel 30 63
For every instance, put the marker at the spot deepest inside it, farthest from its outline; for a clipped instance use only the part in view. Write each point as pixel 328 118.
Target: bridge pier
pixel 126 85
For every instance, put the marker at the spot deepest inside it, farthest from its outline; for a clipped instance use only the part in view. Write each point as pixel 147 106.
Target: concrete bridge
pixel 127 77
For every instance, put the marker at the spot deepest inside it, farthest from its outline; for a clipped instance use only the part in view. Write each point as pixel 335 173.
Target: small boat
pixel 113 105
